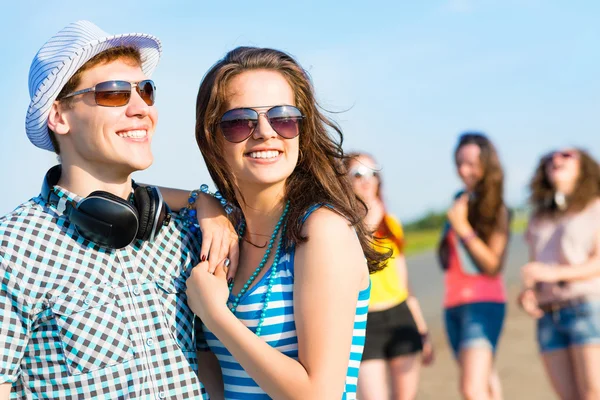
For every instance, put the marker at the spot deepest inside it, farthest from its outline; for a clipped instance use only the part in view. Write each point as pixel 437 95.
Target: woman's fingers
pixel 234 253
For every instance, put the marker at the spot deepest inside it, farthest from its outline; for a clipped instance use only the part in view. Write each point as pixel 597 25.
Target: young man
pixel 92 293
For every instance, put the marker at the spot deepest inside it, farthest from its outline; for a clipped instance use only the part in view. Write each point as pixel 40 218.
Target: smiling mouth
pixel 134 134
pixel 263 155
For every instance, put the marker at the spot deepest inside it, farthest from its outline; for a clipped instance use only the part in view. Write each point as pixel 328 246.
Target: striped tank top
pixel 279 331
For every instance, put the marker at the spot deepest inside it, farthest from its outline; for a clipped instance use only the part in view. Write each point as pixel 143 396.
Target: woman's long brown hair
pixel 319 176
pixel 587 187
pixel 487 201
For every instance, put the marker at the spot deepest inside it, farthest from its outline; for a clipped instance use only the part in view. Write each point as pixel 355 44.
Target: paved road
pixel 426 277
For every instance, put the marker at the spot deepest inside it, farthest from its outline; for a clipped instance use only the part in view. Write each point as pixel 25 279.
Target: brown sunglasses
pixel 118 93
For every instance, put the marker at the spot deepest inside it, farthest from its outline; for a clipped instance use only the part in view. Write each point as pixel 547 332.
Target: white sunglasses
pixel 362 172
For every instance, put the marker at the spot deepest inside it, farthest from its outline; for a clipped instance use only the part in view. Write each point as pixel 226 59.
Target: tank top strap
pixel 312 209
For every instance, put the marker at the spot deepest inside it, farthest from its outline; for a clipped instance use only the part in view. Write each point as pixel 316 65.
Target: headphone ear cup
pixel 105 219
pixel 146 207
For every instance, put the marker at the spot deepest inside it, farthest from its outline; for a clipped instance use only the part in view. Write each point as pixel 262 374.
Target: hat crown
pixel 61 47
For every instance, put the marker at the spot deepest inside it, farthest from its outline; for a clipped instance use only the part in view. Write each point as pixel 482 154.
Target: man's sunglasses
pixel 362 171
pixel 118 93
pixel 238 124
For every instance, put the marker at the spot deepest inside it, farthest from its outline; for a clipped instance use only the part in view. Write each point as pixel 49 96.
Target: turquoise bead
pixel 261 265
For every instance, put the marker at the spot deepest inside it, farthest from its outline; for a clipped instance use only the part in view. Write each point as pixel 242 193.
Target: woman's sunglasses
pixel 566 154
pixel 238 124
pixel 362 172
pixel 118 93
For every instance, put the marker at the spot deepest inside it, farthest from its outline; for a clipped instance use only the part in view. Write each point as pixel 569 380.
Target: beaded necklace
pixel 261 265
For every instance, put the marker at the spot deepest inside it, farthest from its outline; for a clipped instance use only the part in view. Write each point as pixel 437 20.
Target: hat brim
pixel 36 122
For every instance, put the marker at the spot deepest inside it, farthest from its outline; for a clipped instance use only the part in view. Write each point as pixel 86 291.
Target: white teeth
pixel 264 154
pixel 139 134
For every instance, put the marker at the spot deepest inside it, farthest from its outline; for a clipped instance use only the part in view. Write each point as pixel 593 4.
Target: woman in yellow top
pixel 396 330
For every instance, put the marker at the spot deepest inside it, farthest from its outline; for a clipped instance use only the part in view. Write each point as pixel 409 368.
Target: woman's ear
pixel 57 119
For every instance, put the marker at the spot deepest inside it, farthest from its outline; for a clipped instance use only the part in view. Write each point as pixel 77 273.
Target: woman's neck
pixel 566 189
pixel 262 209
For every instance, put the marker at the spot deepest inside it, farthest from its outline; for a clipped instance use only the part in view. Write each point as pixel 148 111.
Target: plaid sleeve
pixel 13 326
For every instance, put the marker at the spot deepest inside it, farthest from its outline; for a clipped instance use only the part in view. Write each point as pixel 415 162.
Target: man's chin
pixel 141 166
pixel 138 162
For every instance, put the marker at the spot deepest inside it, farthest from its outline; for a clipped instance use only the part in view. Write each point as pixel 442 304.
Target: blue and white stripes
pixel 60 58
pixel 279 330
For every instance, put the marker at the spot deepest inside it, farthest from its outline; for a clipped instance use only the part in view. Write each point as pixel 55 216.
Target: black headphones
pixel 108 220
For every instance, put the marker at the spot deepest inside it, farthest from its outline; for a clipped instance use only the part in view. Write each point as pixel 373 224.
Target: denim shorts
pixel 474 325
pixel 569 326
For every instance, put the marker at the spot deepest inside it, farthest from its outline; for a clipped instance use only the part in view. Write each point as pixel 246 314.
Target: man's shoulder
pixel 187 236
pixel 20 231
pixel 25 214
pixel 23 230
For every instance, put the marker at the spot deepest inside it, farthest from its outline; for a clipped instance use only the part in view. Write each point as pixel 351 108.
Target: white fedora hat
pixel 60 58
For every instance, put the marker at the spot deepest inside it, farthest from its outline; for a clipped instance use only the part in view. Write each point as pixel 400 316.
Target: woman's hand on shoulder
pixel 219 238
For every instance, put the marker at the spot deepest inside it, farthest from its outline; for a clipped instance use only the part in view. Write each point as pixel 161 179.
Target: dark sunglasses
pixel 560 154
pixel 238 124
pixel 118 93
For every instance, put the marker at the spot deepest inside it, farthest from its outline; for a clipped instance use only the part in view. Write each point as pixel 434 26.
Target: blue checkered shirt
pixel 79 321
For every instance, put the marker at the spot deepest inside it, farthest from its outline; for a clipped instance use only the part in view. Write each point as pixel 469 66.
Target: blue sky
pixel 406 77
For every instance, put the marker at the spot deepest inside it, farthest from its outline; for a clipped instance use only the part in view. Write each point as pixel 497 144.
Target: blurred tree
pixel 432 220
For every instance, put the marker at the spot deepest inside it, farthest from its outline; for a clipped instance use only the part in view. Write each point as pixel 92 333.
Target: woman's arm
pixel 5 389
pixel 527 298
pixel 209 373
pixel 330 270
pixel 415 310
pixel 539 272
pixel 489 257
pixel 177 198
pixel 219 238
pixel 411 301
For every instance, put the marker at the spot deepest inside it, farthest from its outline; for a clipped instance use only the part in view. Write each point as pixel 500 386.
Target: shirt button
pixel 86 302
pixel 150 342
pixel 162 395
pixel 136 291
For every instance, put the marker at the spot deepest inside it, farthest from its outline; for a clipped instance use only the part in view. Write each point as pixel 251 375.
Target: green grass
pixel 519 224
pixel 419 241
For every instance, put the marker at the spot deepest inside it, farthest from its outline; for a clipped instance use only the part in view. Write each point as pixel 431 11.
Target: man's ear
pixel 57 119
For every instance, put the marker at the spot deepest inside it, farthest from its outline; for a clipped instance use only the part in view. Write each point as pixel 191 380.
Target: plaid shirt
pixel 80 321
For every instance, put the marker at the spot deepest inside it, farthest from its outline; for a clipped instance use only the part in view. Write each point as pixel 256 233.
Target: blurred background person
pixel 562 280
pixel 472 251
pixel 396 334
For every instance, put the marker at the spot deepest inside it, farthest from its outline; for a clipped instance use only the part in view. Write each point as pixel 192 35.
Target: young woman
pixel 562 280
pixel 396 330
pixel 471 253
pixel 290 325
